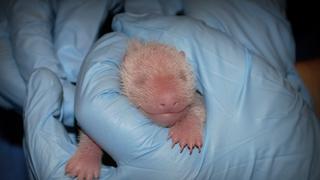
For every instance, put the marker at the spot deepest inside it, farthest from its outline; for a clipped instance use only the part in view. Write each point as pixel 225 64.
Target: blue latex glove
pixel 76 28
pixel 31 33
pixel 258 126
pixel 12 91
pixel 259 25
pixel 46 143
pixel 162 7
pixel 31 24
pixel 52 34
pixel 249 106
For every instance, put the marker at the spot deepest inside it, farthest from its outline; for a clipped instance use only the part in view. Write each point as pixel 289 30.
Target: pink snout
pixel 169 102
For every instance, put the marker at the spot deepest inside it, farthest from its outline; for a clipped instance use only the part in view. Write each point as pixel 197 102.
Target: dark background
pixel 304 20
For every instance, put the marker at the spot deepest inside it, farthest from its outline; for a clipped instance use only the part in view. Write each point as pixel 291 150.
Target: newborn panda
pixel 157 80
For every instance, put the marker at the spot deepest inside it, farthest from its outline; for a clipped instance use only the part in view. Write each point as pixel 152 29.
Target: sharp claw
pixel 174 142
pixel 191 149
pixel 182 147
pixel 199 145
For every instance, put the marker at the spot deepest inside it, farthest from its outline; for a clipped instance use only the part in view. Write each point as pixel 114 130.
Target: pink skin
pixel 85 163
pixel 168 108
pixel 157 79
pixel 167 119
pixel 179 114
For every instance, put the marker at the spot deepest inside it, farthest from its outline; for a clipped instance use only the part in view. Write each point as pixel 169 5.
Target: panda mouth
pixel 167 112
pixel 167 119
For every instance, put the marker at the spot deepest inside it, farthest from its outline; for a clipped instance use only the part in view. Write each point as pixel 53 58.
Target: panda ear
pixel 182 54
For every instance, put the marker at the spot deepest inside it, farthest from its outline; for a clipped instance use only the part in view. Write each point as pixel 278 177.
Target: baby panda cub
pixel 158 80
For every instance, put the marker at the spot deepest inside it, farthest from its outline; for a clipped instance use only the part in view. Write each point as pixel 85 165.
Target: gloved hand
pixel 12 91
pixel 55 35
pixel 257 125
pixel 31 25
pixel 259 25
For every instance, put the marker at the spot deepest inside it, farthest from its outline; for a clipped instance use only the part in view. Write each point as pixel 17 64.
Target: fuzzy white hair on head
pixel 145 60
